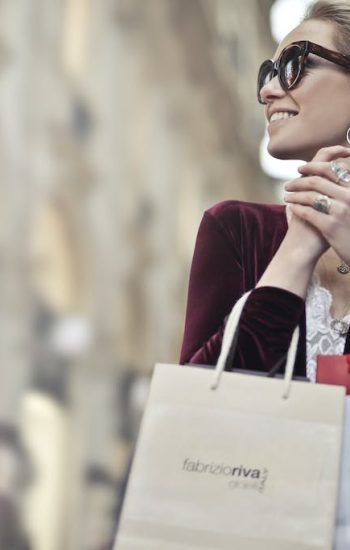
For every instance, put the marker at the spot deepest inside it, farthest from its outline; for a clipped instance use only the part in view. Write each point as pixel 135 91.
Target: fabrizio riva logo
pixel 239 477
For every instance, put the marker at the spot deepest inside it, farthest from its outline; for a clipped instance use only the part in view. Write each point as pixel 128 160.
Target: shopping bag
pixel 230 461
pixel 334 369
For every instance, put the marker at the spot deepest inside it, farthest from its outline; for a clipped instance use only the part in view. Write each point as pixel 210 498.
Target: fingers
pixel 337 171
pixel 326 154
pixel 304 198
pixel 314 168
pixel 315 207
pixel 323 163
pixel 331 163
pixel 318 220
pixel 334 216
pixel 332 226
pixel 321 196
pixel 318 185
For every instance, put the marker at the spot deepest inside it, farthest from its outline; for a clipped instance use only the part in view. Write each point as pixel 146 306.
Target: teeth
pixel 281 116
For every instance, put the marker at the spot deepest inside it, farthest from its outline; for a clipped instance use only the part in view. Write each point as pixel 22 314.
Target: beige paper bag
pixel 235 462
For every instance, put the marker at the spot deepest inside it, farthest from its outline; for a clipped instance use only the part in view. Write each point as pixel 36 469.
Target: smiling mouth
pixel 282 115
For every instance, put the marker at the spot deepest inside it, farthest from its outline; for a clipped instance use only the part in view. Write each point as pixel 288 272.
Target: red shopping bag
pixel 334 369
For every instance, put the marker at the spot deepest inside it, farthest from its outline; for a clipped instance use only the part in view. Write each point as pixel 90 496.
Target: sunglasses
pixel 290 65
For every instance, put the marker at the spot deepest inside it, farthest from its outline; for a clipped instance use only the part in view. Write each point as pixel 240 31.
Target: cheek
pixel 325 99
pixel 326 116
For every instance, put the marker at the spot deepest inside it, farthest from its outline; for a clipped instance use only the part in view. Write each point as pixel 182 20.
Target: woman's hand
pixel 310 232
pixel 317 179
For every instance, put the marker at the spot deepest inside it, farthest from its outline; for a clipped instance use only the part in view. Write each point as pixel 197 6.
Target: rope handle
pixel 229 335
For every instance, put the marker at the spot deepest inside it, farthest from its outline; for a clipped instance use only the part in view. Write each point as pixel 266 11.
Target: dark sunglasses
pixel 290 65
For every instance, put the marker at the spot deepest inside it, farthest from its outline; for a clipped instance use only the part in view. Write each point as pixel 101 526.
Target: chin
pixel 288 153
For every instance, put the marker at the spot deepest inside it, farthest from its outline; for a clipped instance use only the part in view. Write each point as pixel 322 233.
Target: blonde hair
pixel 337 13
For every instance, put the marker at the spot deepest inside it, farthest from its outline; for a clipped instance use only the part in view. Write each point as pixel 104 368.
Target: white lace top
pixel 320 337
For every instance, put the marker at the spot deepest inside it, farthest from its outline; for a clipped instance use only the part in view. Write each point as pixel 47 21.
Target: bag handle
pixel 229 336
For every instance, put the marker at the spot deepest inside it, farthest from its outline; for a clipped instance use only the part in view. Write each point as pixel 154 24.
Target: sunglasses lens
pixel 264 76
pixel 290 67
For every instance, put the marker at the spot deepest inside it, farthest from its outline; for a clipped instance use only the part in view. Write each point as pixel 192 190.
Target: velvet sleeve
pixel 218 278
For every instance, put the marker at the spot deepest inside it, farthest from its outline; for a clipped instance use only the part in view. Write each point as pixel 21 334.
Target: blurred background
pixel 120 122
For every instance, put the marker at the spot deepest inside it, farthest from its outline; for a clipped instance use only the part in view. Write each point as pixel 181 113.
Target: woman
pixel 295 258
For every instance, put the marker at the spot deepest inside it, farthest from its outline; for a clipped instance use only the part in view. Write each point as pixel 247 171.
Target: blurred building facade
pixel 121 121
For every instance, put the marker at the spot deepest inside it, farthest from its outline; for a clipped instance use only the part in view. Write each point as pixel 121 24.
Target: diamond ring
pixel 342 175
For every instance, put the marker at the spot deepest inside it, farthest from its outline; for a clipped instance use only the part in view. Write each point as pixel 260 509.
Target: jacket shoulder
pixel 249 215
pixel 231 208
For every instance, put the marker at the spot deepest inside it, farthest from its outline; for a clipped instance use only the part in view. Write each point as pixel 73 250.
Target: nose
pixel 271 90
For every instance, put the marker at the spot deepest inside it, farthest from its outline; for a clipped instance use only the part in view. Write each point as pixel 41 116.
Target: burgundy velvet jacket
pixel 236 241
